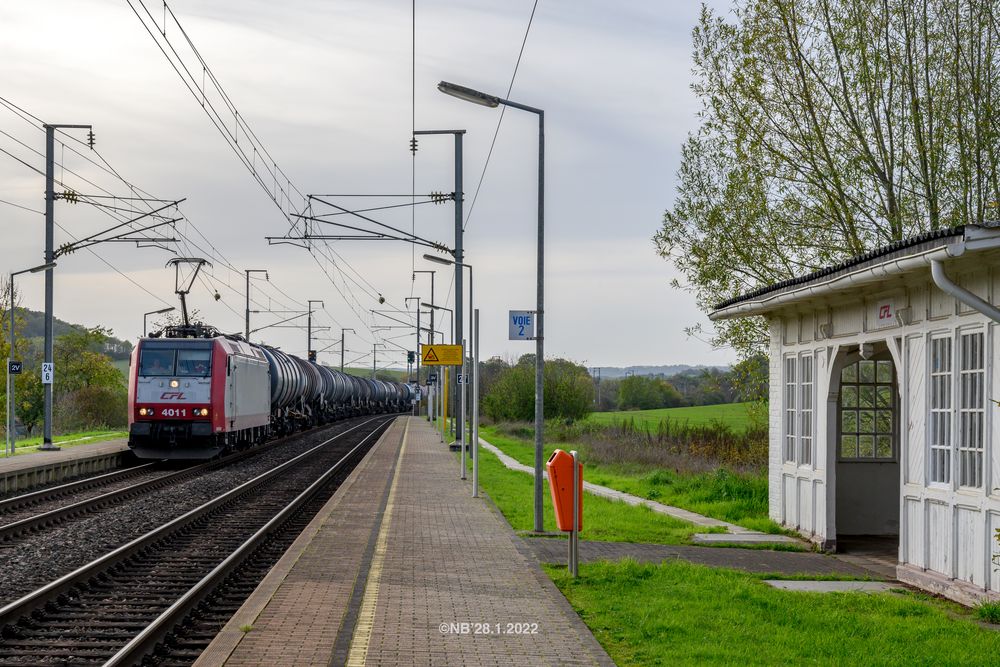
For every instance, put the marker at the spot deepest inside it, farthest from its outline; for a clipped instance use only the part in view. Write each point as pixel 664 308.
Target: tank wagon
pixel 195 393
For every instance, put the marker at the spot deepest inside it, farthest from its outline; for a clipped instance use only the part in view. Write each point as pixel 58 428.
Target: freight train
pixel 195 393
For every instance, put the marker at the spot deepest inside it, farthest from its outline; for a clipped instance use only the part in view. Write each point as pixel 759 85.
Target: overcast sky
pixel 326 86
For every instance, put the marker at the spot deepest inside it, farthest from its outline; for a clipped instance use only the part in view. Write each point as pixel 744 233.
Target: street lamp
pixel 11 417
pixel 153 312
pixel 483 99
pixel 266 277
pixel 474 334
pixel 342 347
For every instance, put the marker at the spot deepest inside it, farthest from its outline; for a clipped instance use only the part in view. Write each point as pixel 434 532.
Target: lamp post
pixel 11 407
pixel 342 347
pixel 266 277
pixel 153 312
pixel 483 99
pixel 474 336
pixel 309 328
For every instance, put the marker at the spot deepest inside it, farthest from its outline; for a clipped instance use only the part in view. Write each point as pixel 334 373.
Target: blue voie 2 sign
pixel 521 325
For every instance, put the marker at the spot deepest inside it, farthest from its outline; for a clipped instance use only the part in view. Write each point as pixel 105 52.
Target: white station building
pixel 883 412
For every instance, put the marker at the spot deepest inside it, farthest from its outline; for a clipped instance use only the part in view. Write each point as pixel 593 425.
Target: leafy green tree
pixel 828 128
pixel 569 391
pixel 642 392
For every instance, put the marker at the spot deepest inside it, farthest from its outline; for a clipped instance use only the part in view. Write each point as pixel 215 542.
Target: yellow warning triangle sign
pixel 431 355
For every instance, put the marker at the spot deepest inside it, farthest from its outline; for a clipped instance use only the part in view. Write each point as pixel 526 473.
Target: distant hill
pixel 665 371
pixel 34 328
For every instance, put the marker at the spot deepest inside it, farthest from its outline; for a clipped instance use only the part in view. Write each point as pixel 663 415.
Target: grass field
pixel 608 521
pixel 735 415
pixel 739 498
pixel 678 613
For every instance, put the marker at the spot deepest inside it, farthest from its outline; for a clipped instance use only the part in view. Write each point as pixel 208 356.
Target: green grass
pixel 679 613
pixel 738 498
pixel 31 445
pixel 604 520
pixel 734 415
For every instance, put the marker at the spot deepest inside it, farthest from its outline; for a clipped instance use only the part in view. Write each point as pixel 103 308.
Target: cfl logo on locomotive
pixel 172 396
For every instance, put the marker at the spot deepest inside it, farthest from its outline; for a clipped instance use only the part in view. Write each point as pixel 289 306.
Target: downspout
pixel 946 285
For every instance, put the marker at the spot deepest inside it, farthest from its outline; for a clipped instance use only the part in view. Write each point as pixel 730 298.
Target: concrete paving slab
pixel 831 586
pixel 743 538
pixel 762 561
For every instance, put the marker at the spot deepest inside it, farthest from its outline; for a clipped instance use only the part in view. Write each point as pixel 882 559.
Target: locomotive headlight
pixel 145 411
pixel 174 384
pixel 204 412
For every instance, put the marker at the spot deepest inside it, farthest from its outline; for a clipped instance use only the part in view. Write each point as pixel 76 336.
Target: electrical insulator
pixel 91 139
pixel 413 145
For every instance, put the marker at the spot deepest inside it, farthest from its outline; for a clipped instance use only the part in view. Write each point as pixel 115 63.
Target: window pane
pixel 156 362
pixel 849 446
pixel 849 374
pixel 883 446
pixel 849 421
pixel 867 396
pixel 866 446
pixel 867 371
pixel 866 421
pixel 883 421
pixel 883 397
pixel 849 397
pixel 194 363
pixel 884 371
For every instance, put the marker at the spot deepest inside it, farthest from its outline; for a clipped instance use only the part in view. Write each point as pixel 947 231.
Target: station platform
pixel 25 471
pixel 403 567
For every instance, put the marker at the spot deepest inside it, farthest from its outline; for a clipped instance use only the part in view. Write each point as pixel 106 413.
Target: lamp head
pixel 469 95
pixel 438 260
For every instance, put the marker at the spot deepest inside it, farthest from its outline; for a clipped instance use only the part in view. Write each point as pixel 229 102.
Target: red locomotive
pixel 195 393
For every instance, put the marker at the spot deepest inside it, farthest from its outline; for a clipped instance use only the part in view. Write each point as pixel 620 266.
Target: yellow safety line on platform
pixel 366 616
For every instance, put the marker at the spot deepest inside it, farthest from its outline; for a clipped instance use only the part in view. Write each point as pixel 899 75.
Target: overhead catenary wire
pixel 283 188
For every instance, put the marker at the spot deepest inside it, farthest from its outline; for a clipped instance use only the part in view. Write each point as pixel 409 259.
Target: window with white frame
pixel 790 391
pixel 972 409
pixel 939 436
pixel 805 410
pixel 868 411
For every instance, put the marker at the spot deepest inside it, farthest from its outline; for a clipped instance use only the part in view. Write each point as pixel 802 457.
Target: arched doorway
pixel 865 432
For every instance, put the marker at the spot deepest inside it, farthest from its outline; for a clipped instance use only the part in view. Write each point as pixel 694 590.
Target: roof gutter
pixel 946 285
pixel 973 240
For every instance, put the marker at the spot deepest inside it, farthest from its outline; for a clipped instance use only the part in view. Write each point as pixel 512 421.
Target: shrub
pixel 569 392
pixel 91 408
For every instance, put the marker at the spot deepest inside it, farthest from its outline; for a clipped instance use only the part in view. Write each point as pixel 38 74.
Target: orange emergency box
pixel 560 469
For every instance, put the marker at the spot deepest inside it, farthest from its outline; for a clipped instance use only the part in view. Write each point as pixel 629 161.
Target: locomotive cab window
pixel 156 362
pixel 194 363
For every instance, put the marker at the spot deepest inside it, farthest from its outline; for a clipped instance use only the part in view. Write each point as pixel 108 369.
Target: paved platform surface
pixel 403 567
pixel 36 458
pixel 549 550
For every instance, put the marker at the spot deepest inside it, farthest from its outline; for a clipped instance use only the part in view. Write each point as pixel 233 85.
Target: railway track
pixel 54 505
pixel 119 607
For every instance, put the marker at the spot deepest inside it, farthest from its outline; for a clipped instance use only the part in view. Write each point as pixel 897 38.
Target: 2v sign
pixel 521 325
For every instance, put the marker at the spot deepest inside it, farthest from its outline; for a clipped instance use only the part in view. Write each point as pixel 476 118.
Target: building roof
pixel 912 245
